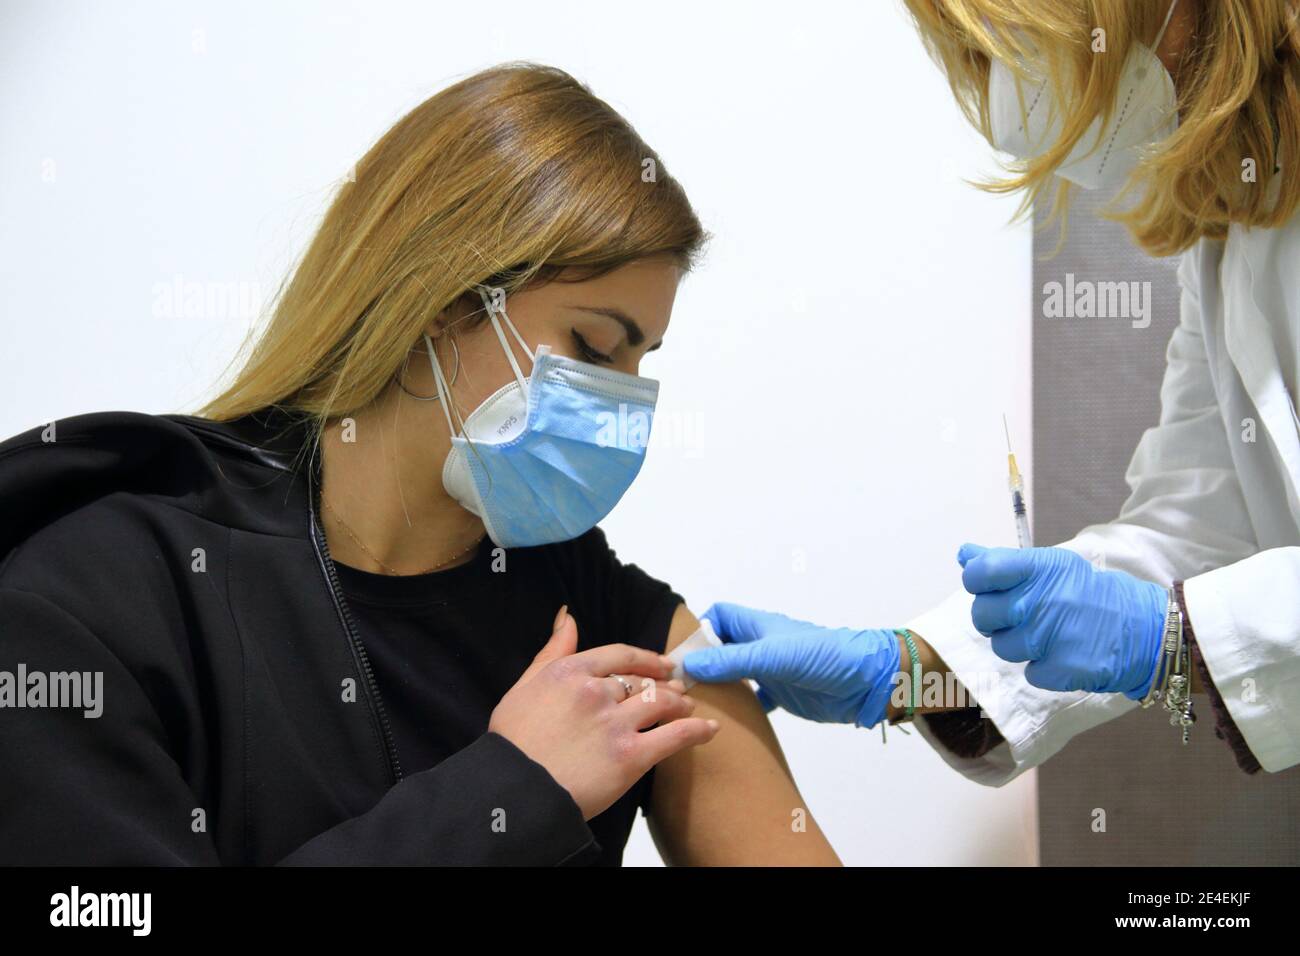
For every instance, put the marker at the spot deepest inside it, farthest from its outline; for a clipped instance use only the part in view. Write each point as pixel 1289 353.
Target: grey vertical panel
pixel 1096 389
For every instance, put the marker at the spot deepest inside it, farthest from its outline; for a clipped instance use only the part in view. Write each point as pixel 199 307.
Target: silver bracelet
pixel 1173 681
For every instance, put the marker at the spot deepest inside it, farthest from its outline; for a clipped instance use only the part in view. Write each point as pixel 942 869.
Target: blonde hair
pixel 1240 101
pixel 505 178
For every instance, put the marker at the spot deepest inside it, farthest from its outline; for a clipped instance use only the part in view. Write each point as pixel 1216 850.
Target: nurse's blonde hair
pixel 1239 100
pixel 506 178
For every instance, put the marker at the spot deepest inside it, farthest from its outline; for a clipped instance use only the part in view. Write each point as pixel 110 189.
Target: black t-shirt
pixel 446 646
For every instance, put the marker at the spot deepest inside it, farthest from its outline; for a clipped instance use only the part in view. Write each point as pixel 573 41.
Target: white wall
pixel 835 375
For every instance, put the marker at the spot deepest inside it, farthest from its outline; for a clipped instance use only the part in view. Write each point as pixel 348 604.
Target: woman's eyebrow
pixel 634 334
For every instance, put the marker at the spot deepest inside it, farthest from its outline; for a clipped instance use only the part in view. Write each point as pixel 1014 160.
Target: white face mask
pixel 1025 121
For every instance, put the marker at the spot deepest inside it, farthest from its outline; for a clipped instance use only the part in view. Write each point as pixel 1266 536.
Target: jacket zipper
pixel 376 701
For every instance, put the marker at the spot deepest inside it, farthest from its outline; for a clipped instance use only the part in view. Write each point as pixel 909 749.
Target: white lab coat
pixel 1207 505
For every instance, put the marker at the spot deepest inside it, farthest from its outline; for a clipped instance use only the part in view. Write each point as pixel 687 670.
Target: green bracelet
pixel 907 637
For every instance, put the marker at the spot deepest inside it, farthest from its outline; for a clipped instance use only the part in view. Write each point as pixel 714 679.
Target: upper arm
pixel 92 782
pixel 732 801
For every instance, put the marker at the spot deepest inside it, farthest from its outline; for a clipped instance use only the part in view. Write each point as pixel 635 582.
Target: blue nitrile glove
pixel 836 675
pixel 1079 628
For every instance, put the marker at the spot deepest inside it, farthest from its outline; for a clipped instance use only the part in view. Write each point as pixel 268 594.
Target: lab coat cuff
pixel 1034 723
pixel 1225 642
pixel 1224 728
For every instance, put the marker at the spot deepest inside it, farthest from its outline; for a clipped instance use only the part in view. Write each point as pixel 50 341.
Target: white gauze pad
pixel 698 641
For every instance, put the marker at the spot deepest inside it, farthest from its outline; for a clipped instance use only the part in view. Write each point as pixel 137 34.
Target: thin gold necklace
pixel 374 557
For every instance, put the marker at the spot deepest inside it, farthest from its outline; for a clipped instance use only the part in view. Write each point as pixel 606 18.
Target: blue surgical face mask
pixel 553 452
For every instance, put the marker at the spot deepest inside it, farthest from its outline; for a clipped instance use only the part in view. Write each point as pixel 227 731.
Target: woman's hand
pixel 571 716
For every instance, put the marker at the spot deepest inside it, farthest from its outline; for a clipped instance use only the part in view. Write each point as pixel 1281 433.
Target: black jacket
pixel 181 559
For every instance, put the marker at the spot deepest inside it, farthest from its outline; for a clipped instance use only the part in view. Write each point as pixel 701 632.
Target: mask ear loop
pixel 444 391
pixel 493 312
pixel 444 396
pixel 1161 35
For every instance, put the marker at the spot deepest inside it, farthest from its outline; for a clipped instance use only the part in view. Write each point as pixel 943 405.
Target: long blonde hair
pixel 1241 102
pixel 505 178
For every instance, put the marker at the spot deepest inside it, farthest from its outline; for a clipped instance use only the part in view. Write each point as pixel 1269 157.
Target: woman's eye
pixel 588 352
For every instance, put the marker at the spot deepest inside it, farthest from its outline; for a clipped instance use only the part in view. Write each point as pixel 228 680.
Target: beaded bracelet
pixel 915 658
pixel 910 709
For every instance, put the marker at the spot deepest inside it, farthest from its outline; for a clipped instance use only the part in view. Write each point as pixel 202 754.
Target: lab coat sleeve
pixel 1247 622
pixel 1185 516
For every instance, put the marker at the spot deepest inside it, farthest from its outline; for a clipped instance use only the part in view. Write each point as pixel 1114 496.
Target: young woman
pixel 358 610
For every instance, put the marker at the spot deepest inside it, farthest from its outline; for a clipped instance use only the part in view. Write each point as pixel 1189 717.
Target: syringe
pixel 1017 485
